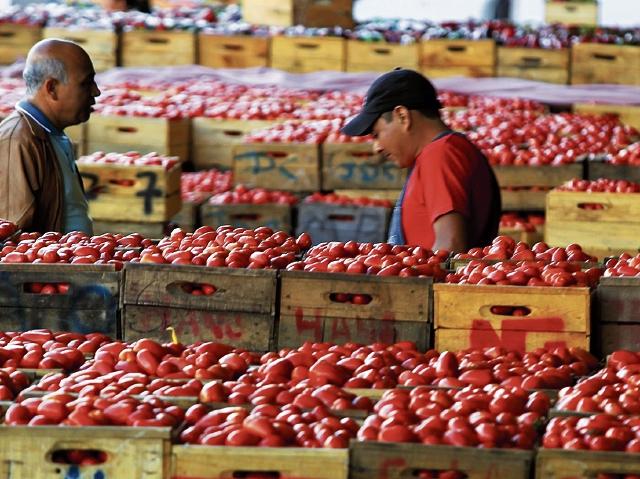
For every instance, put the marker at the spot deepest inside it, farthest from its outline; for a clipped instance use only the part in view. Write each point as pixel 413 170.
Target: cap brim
pixel 361 125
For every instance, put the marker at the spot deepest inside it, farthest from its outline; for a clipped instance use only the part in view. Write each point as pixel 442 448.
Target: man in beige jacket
pixel 40 188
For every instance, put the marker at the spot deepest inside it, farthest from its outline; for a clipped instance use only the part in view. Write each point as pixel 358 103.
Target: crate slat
pixel 146 48
pixel 524 176
pixel 604 63
pixel 380 57
pixel 147 209
pixel 100 45
pixel 233 51
pixel 571 13
pixel 307 54
pixel 16 41
pixel 457 53
pixel 564 464
pixel 246 215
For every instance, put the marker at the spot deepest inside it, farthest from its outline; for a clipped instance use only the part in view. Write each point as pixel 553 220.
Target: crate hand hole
pixel 350 298
pixel 79 457
pixel 500 310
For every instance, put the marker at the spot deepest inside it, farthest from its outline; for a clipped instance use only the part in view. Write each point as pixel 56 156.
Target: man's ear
pixel 50 87
pixel 403 116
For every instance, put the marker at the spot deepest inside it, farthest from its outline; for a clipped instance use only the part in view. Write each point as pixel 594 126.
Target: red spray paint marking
pixel 341 329
pixel 303 325
pixel 514 332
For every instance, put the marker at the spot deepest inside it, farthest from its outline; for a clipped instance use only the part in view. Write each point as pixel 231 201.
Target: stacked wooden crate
pixel 470 58
pixel 307 54
pixel 538 64
pixel 155 48
pixel 16 41
pixel 365 56
pixel 101 45
pixel 232 51
pixel 605 63
pixel 287 13
pixel 572 12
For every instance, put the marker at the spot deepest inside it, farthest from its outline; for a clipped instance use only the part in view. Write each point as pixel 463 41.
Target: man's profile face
pixel 77 97
pixel 389 140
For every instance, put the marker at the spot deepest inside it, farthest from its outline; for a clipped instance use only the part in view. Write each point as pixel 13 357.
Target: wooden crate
pixel 150 48
pixel 16 41
pixel 463 318
pixel 214 140
pixel 355 165
pixel 617 302
pixel 153 197
pixel 326 13
pixel 246 215
pixel 566 464
pixel 147 230
pixel 132 452
pixel 188 218
pixel 217 462
pixel 369 459
pixel 90 305
pixel 523 200
pixel 233 51
pixel 381 56
pixel 544 175
pixel 599 169
pixel 605 63
pixel 277 166
pixel 241 312
pixel 471 58
pixel 276 13
pixel 334 222
pixel 399 309
pixel 287 13
pixel 538 64
pixel 101 45
pixel 627 114
pixel 307 54
pixel 121 134
pixel 568 222
pixel 571 13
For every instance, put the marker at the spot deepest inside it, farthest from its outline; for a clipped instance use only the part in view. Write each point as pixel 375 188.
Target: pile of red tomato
pixel 601 185
pixel 333 198
pixel 7 228
pixel 200 185
pixel 623 265
pixel 256 196
pixel 132 158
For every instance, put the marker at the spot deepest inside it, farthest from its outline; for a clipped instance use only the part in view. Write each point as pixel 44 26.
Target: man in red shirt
pixel 451 199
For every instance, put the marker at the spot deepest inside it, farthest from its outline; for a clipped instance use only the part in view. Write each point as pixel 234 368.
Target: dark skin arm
pixel 451 232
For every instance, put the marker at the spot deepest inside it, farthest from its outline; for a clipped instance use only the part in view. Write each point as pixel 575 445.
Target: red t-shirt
pixel 451 174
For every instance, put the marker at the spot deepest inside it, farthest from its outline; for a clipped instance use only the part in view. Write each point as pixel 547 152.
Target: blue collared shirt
pixel 75 210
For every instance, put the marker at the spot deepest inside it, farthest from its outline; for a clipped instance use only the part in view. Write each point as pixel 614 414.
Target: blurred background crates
pixel 16 41
pixel 151 48
pixel 149 194
pixel 571 12
pixel 470 58
pixel 538 64
pixel 121 134
pixel 356 166
pixel 101 45
pixel 287 13
pixel 627 114
pixel 334 222
pixel 307 54
pixel 276 216
pixel 277 166
pixel 563 463
pixel 618 300
pixel 90 303
pixel 232 51
pixel 241 312
pixel 605 63
pixel 472 316
pixel 393 309
pixel 597 168
pixel 363 56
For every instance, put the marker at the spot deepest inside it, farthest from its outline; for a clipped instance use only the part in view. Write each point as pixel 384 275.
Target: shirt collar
pixel 34 112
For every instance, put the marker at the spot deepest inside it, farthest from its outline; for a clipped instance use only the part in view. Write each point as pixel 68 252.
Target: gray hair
pixel 38 70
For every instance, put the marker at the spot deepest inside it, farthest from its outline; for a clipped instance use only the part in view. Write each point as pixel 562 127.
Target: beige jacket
pixel 31 188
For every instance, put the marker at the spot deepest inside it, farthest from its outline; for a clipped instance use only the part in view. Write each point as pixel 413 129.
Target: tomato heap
pixel 624 265
pixel 12 382
pixel 494 417
pixel 526 273
pixel 132 158
pixel 505 248
pixel 7 228
pixel 318 197
pixel 601 185
pixel 256 196
pixel 626 156
pixel 515 221
pixel 382 259
pixel 200 185
pixel 538 369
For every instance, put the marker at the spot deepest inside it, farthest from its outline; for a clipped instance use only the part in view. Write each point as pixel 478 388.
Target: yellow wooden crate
pixel 213 140
pixel 246 215
pixel 121 134
pixel 148 230
pixel 277 13
pixel 471 58
pixel 463 316
pixel 571 13
pixel 627 114
pixel 326 13
pixel 16 41
pixel 146 48
pixel 565 464
pixel 137 209
pixel 277 166
pixel 233 51
pixel 396 461
pixel 217 462
pixel 132 452
pixel 101 45
pixel 545 65
pixel 605 63
pixel 528 237
pixel 356 166
pixel 380 56
pixel 523 200
pixel 241 312
pixel 307 54
pixel 568 221
pixel 399 309
pixel 525 176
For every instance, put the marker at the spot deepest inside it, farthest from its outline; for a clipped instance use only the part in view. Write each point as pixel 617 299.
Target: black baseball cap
pixel 399 87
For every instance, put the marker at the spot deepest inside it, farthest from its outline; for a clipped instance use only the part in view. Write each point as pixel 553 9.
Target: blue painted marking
pixel 73 473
